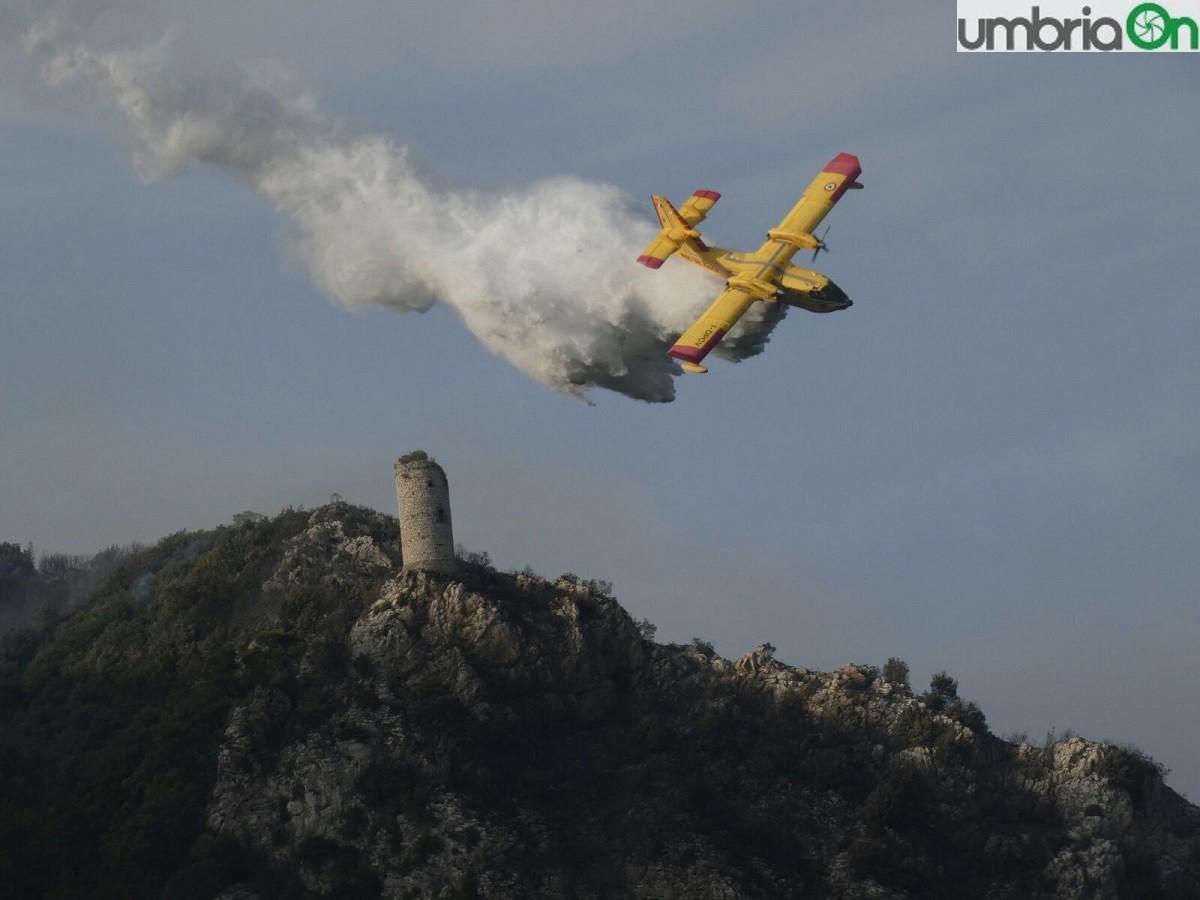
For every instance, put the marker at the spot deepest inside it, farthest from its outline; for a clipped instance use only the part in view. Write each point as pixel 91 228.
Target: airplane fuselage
pixel 769 274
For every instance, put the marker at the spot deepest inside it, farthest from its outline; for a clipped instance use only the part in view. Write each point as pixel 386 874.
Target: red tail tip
pixel 708 195
pixel 650 262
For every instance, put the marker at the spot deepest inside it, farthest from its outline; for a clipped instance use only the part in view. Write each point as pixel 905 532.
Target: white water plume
pixel 544 276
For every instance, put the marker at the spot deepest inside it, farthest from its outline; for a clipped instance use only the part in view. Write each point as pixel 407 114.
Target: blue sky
pixel 990 464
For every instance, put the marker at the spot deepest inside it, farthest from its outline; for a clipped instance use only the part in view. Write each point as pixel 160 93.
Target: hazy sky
pixel 990 464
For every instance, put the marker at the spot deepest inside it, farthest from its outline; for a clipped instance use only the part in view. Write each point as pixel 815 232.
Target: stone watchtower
pixel 426 536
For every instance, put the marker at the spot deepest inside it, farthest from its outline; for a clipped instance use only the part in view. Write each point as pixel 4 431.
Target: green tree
pixel 895 671
pixel 943 691
pixel 15 562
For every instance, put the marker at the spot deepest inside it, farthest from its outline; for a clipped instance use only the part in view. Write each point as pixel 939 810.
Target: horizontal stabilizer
pixel 657 251
pixel 697 207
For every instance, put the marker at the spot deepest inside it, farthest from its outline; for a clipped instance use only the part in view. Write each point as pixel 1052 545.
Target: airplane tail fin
pixel 678 228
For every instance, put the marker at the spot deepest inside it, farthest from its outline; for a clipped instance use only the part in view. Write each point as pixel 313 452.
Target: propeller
pixel 820 244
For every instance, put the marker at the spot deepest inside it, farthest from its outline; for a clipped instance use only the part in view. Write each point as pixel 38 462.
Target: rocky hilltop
pixel 277 709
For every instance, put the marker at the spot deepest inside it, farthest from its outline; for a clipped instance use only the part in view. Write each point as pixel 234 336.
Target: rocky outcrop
pixel 503 736
pixel 558 645
pixel 337 549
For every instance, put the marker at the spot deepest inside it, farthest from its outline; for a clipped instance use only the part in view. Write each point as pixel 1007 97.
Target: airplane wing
pixel 695 343
pixel 838 176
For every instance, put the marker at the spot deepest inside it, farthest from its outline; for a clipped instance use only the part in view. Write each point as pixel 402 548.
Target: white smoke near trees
pixel 544 276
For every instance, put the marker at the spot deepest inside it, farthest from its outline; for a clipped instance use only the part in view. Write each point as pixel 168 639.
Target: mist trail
pixel 544 276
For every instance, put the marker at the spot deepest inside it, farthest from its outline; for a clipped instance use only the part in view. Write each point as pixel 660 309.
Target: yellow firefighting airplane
pixel 767 273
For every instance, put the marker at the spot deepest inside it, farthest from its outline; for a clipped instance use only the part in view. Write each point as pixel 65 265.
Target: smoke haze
pixel 544 276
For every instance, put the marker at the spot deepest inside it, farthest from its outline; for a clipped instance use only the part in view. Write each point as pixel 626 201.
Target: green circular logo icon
pixel 1148 25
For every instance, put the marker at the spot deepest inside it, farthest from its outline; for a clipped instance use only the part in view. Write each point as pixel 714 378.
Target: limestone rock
pixel 336 549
